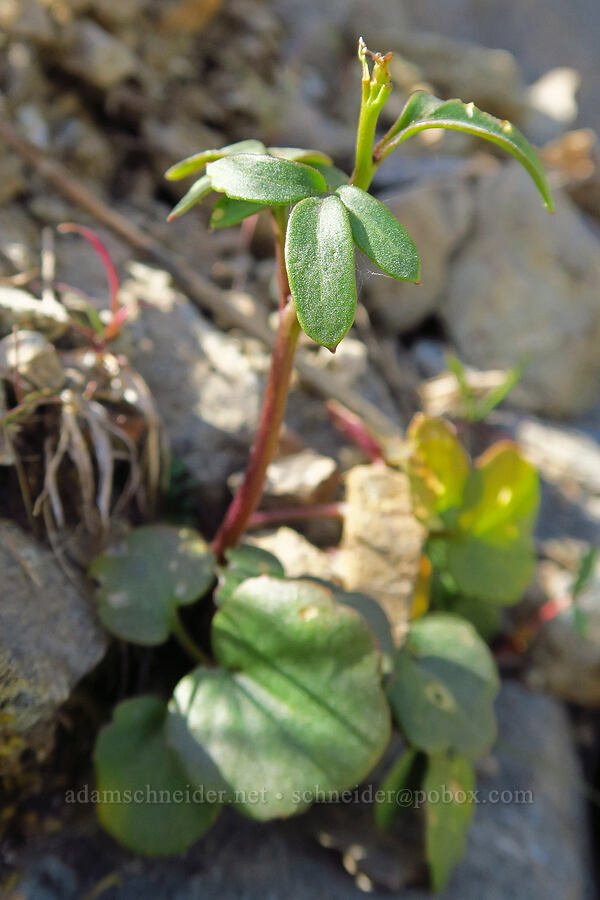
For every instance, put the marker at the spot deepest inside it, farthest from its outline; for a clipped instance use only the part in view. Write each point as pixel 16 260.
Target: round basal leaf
pixel 373 614
pixel 243 562
pixel 145 799
pixel 264 179
pixel 438 467
pixel 154 570
pixel 319 256
pixel 297 154
pixel 443 687
pixel 423 111
pixel 196 193
pixel 334 177
pixel 227 212
pixel 492 556
pixel 490 571
pixel 502 491
pixel 449 784
pixel 192 164
pixel 297 711
pixel 380 235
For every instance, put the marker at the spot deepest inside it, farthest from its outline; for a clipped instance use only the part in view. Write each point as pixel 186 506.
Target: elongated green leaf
pixel 192 164
pixel 228 212
pixel 141 583
pixel 296 709
pixel 334 177
pixel 264 179
pixel 319 256
pixel 196 193
pixel 145 798
pixel 423 111
pixel 449 784
pixel 444 685
pixel 397 780
pixel 297 154
pixel 380 235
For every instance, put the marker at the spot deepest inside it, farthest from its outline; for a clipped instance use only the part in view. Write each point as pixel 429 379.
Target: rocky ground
pixel 119 91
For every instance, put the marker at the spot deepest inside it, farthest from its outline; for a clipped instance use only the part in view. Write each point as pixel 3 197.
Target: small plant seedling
pixel 298 691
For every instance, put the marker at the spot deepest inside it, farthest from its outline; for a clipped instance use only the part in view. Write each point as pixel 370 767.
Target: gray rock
pixel 297 555
pixel 34 358
pixel 526 286
pixel 564 658
pixel 300 478
pixel 20 308
pixel 94 55
pixel 382 541
pixel 208 387
pixel 437 215
pixel 205 387
pixel 49 639
pixel 520 850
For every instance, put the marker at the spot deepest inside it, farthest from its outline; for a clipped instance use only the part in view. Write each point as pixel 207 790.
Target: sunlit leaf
pixel 297 154
pixel 319 256
pixel 145 799
pixel 443 687
pixel 380 235
pixel 449 784
pixel 196 193
pixel 297 707
pixel 142 581
pixel 423 111
pixel 192 164
pixel 264 179
pixel 438 467
pixel 492 557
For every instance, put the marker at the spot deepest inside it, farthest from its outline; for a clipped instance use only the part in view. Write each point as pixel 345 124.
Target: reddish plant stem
pixel 280 227
pixel 248 495
pixel 265 517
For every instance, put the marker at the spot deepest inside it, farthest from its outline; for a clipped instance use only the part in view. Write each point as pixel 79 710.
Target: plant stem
pixel 179 631
pixel 266 517
pixel 280 228
pixel 249 493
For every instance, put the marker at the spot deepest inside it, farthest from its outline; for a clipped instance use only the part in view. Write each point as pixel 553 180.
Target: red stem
pixel 248 495
pixel 266 517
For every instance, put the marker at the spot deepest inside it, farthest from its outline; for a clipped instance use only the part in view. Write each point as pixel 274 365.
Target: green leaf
pixel 443 687
pixel 449 783
pixel 297 154
pixel 192 164
pixel 380 235
pixel 196 193
pixel 492 555
pixel 243 562
pixel 297 708
pixel 423 111
pixel 397 779
pixel 319 257
pixel 228 212
pixel 142 582
pixel 438 467
pixel 334 177
pixel 134 769
pixel 264 179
